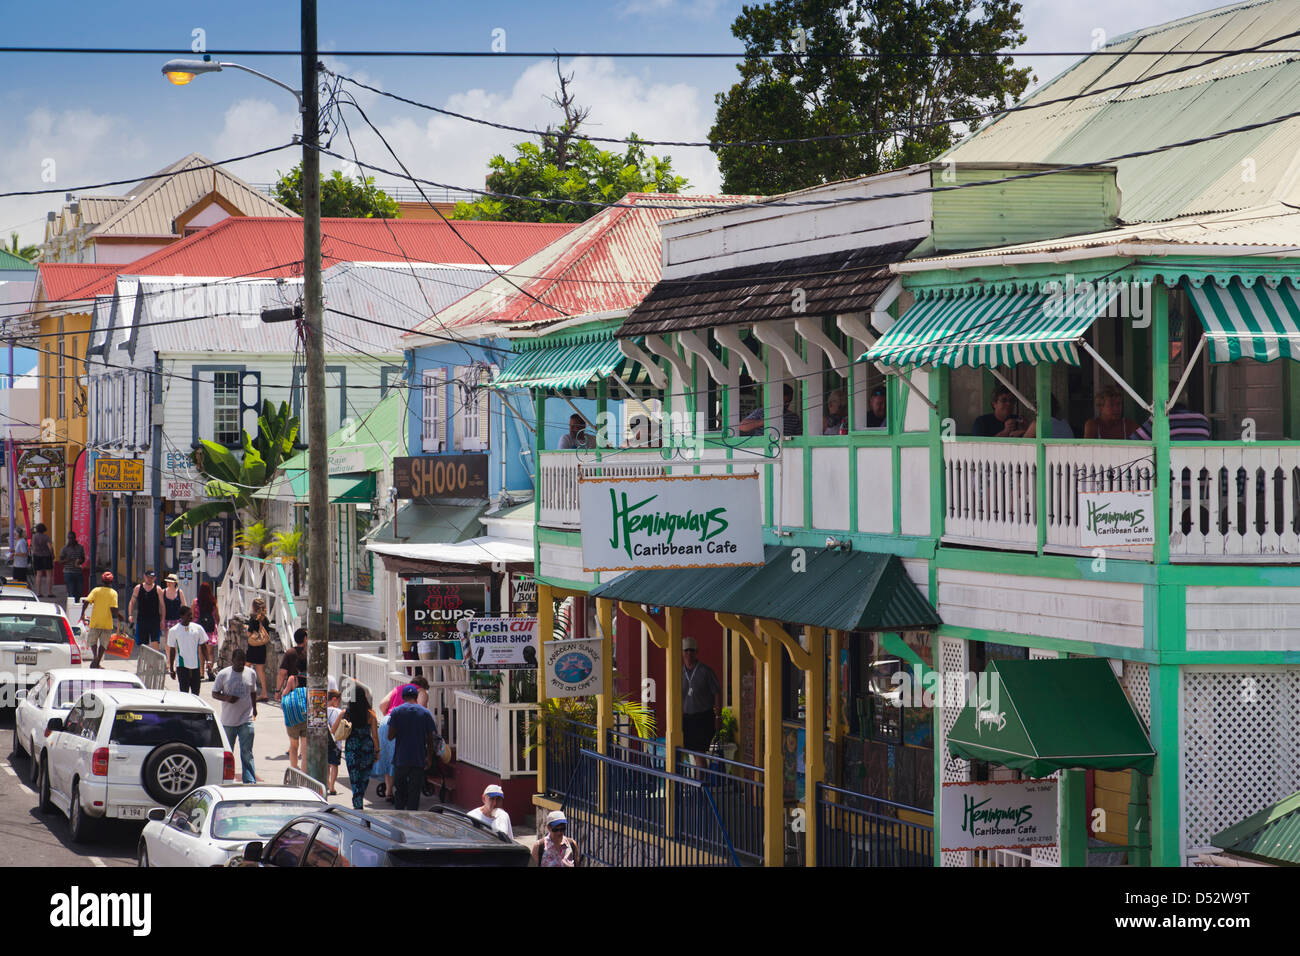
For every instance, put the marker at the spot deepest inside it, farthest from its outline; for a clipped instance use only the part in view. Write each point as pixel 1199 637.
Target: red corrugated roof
pixel 65 281
pixel 609 262
pixel 270 247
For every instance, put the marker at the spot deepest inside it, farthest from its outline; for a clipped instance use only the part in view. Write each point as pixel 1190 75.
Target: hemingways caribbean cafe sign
pixel 1012 814
pixel 682 521
pixel 1116 518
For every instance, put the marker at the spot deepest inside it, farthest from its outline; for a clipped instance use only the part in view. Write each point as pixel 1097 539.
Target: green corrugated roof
pixel 854 591
pixel 379 437
pixel 1272 835
pixel 446 523
pixel 561 367
pixel 12 263
pixel 343 489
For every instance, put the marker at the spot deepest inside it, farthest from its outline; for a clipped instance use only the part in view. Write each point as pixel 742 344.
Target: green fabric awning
pixel 1272 835
pixel 366 445
pixel 848 591
pixel 564 367
pixel 1259 322
pixel 990 330
pixel 421 523
pixel 1048 715
pixel 344 489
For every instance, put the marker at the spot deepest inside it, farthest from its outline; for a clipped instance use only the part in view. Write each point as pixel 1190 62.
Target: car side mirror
pixel 20 695
pixel 158 814
pixel 54 724
pixel 253 852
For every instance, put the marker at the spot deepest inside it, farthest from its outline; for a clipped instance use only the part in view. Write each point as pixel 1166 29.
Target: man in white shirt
pixel 183 642
pixel 493 811
pixel 238 688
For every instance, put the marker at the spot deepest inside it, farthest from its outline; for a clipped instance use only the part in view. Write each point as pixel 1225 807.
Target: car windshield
pixel 138 727
pixel 69 690
pixel 33 628
pixel 256 819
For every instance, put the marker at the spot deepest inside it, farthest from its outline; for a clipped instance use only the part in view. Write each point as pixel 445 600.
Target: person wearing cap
pixel 701 699
pixel 555 848
pixel 103 612
pixel 415 732
pixel 876 407
pixel 146 610
pixel 493 811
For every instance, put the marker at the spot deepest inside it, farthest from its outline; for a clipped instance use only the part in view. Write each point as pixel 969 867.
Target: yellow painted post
pixel 837 700
pixel 604 701
pixel 773 771
pixel 545 627
pixel 673 708
pixel 814 753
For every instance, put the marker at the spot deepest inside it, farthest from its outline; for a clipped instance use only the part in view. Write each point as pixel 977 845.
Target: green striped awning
pixel 562 367
pixel 990 330
pixel 1259 322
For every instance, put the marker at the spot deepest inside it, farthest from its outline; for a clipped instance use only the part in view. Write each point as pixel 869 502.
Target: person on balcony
pixel 1002 422
pixel 791 422
pixel 876 407
pixel 577 436
pixel 1184 425
pixel 1060 427
pixel 836 421
pixel 701 699
pixel 1110 421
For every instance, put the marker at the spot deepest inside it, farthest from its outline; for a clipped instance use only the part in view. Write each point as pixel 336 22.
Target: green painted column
pixel 1073 824
pixel 1166 782
pixel 1159 397
pixel 1139 820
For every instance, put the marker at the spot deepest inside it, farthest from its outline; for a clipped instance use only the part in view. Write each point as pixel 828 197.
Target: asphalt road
pixel 31 838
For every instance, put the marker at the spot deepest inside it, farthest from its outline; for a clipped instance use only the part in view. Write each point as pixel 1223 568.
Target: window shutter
pixel 433 382
pixel 145 415
pixel 485 375
pixel 203 424
pixel 459 396
pixel 250 400
pixel 123 409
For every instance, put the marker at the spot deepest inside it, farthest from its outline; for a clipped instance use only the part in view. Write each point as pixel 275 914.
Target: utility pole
pixel 318 455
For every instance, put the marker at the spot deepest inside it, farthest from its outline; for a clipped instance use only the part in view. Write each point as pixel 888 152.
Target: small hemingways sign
pixel 573 668
pixel 503 643
pixel 1116 518
pixel 678 521
pixel 998 816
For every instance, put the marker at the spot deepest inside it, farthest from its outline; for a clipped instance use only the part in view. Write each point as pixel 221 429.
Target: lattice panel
pixel 1137 684
pixel 1241 746
pixel 1051 855
pixel 954 659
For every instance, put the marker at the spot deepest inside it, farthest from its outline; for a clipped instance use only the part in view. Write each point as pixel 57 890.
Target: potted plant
pixel 289 547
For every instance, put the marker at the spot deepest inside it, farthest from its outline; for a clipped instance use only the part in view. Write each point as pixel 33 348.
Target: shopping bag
pixel 120 645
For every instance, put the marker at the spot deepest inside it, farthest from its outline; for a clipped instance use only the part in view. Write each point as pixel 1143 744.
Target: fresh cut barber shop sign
pixel 998 816
pixel 679 521
pixel 1116 518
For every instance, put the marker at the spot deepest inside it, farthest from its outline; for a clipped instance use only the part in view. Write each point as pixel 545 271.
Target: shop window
pixel 363 520
pixel 225 408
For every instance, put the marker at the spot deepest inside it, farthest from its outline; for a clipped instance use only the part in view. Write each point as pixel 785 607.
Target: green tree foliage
pixel 340 196
pixel 234 481
pixel 30 253
pixel 565 167
pixel 818 90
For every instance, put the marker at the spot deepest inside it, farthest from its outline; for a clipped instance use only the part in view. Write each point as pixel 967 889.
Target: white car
pixel 212 825
pixel 120 753
pixel 53 696
pixel 34 637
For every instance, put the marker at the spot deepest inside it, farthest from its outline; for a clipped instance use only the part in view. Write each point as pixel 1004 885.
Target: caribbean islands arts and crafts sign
pixel 679 521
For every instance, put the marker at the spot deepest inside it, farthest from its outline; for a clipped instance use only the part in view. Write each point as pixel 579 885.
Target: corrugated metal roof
pixel 1232 91
pixel 12 263
pixel 96 209
pixel 1272 834
pixel 158 202
pixel 606 264
pixel 73 281
pixel 858 591
pixel 396 293
pixel 833 283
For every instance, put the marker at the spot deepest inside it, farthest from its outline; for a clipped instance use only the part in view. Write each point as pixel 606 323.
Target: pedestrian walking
pixel 413 729
pixel 259 635
pixel 43 562
pixel 183 643
pixel 19 556
pixel 493 811
pixel 555 848
pixel 146 610
pixel 237 688
pixel 701 699
pixel 294 706
pixel 334 755
pixel 205 612
pixel 72 557
pixel 173 601
pixel 394 697
pixel 103 612
pixel 361 744
pixel 293 666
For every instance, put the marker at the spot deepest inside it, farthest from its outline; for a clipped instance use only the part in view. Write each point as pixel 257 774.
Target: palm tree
pixel 30 253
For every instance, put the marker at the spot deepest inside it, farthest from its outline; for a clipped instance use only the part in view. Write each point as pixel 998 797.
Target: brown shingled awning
pixel 834 283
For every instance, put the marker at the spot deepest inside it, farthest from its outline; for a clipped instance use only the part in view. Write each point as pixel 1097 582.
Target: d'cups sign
pixel 431 477
pixel 573 668
pixel 682 521
pixel 503 643
pixel 1116 518
pixel 998 816
pixel 434 609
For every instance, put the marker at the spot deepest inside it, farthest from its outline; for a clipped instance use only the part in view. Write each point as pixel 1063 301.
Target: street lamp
pixel 181 72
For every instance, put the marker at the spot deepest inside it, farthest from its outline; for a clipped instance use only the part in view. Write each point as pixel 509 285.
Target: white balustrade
pixel 494 736
pixel 558 490
pixel 247 578
pixel 1235 502
pixel 991 493
pixel 1072 469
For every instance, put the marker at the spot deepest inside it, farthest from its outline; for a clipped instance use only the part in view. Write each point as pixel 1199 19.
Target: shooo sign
pixel 682 521
pixel 1116 518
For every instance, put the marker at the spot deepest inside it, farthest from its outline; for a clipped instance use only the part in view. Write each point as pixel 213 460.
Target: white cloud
pixel 691 9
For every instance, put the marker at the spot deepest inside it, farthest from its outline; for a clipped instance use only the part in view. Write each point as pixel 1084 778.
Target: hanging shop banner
pixel 119 474
pixel 81 503
pixel 573 668
pixel 40 466
pixel 523 594
pixel 1116 518
pixel 435 609
pixel 678 521
pixel 432 477
pixel 503 643
pixel 998 816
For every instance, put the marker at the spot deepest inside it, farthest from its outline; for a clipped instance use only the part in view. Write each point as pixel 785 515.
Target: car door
pixel 62 748
pixel 324 849
pixel 287 847
pixel 28 713
pixel 181 830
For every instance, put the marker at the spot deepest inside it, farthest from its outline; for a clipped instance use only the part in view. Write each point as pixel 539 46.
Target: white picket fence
pixel 1235 502
pixel 247 578
pixel 991 493
pixel 494 736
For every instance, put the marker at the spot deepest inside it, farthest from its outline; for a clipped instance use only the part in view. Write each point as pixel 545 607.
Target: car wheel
pixel 44 803
pixel 142 858
pixel 173 770
pixel 79 825
pixel 35 770
pixel 18 748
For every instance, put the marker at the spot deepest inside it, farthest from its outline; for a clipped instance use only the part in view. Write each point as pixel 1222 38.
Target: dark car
pixel 337 836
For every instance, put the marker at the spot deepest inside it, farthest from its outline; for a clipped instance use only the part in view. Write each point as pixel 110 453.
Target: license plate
pixel 25 657
pixel 131 813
